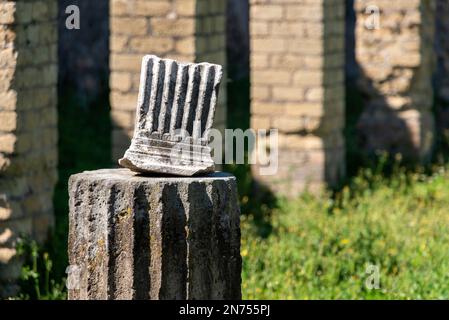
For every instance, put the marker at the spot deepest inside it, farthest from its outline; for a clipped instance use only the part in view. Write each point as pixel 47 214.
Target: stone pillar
pixel 136 237
pixel 395 52
pixel 28 127
pixel 185 30
pixel 297 87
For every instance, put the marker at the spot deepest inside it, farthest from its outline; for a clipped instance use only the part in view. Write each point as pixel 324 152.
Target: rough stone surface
pixel 396 59
pixel 175 112
pixel 183 30
pixel 135 237
pixel 28 127
pixel 297 87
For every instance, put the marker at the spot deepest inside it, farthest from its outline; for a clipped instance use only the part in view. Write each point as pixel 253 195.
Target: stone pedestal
pixel 137 237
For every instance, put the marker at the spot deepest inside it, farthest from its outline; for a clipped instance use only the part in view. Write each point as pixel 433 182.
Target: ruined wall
pixel 297 86
pixel 28 127
pixel 396 60
pixel 187 30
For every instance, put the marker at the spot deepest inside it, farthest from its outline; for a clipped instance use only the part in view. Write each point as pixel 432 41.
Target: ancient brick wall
pixel 396 58
pixel 187 30
pixel 297 87
pixel 28 127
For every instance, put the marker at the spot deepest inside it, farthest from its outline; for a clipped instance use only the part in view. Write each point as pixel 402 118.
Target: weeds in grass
pixel 36 279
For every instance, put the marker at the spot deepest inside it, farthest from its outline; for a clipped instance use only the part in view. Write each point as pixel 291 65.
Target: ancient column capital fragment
pixel 175 111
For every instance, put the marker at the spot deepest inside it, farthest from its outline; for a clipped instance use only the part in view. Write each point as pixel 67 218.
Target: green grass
pixel 320 247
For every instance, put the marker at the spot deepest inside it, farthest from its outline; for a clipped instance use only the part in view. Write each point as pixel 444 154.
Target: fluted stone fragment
pixel 175 112
pixel 135 237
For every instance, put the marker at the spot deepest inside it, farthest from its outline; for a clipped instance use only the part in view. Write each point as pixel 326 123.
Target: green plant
pixel 36 279
pixel 320 249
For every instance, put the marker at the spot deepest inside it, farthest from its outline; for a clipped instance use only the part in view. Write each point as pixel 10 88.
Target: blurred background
pixel 359 91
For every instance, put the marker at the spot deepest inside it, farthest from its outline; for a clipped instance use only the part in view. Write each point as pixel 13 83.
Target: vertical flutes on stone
pixel 134 237
pixel 175 100
pixel 174 95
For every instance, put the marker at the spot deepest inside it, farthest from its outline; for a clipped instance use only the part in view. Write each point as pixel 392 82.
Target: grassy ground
pixel 323 247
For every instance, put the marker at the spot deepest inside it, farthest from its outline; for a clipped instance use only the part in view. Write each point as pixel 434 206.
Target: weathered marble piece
pixel 175 112
pixel 137 237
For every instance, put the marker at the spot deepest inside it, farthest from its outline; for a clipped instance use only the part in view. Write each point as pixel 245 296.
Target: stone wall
pixel 187 30
pixel 28 127
pixel 396 60
pixel 297 86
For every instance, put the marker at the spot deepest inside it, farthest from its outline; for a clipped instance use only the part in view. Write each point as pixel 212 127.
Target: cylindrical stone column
pixel 442 49
pixel 136 237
